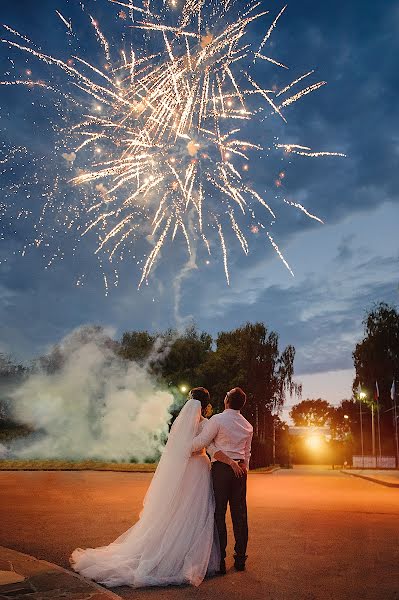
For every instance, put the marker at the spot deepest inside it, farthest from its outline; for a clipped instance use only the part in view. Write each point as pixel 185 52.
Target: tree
pixel 345 427
pixel 249 357
pixel 11 374
pixel 137 346
pixel 8 368
pixel 344 421
pixel 376 359
pixel 311 413
pixel 174 357
pixel 179 356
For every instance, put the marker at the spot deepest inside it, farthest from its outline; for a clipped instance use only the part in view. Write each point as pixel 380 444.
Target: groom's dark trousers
pixel 232 490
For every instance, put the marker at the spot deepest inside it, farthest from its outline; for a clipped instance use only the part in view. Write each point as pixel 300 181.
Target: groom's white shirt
pixel 229 432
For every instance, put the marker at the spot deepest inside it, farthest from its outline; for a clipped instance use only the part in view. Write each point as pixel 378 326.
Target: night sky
pixel 341 268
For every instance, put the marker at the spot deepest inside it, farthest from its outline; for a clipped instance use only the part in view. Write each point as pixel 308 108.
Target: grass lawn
pixel 87 465
pixel 67 465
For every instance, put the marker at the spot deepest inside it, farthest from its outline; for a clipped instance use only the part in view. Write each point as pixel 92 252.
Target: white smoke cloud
pixel 3 451
pixel 178 281
pixel 93 405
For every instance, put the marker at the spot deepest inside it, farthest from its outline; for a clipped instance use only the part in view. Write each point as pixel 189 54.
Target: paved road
pixel 315 534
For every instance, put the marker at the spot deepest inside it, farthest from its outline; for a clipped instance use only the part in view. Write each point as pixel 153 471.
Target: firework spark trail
pixel 163 126
pixel 304 92
pixel 306 151
pixel 303 209
pixel 224 250
pixel 270 31
pixel 130 6
pixel 290 85
pixel 275 62
pixel 263 93
pixel 14 32
pixel 102 39
pixel 279 253
pixel 64 20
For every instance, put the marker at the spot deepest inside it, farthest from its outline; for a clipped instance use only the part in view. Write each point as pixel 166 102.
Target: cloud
pixel 341 268
pixel 321 310
pixel 345 249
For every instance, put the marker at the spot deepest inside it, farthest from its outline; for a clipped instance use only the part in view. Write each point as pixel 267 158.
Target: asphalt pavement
pixel 315 534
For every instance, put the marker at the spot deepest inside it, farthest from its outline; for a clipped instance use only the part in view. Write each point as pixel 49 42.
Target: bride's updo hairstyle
pixel 202 395
pixel 237 398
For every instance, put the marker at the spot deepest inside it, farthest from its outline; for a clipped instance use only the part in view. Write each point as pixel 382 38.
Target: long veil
pixel 166 482
pixel 133 557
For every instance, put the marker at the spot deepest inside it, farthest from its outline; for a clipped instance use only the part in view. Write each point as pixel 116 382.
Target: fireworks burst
pixel 162 120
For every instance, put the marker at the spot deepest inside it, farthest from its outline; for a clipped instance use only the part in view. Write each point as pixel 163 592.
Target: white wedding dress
pixel 174 540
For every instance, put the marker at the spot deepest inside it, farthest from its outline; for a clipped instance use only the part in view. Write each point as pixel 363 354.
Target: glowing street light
pixel 314 442
pixel 362 396
pixel 346 417
pixel 184 389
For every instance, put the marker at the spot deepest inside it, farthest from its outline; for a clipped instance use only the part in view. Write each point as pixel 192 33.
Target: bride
pixel 174 540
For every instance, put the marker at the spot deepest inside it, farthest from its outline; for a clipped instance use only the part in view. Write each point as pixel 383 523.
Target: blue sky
pixel 341 268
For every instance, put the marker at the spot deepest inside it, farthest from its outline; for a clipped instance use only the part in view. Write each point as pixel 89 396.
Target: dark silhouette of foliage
pixel 137 346
pixel 182 356
pixel 311 413
pixel 11 374
pixel 249 357
pixel 376 359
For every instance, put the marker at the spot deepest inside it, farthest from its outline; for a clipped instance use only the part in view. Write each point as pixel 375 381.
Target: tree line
pixel 250 356
pixel 374 392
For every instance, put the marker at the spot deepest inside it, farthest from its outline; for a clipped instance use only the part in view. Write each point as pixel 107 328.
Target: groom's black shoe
pixel 222 567
pixel 239 563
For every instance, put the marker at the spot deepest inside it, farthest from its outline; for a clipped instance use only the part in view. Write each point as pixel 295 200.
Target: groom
pixel 230 433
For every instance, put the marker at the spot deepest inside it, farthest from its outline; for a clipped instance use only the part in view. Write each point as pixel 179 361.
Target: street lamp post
pixel 362 395
pixel 378 419
pixel 372 430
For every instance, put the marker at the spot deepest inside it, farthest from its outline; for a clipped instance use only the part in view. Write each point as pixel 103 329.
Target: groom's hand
pixel 238 470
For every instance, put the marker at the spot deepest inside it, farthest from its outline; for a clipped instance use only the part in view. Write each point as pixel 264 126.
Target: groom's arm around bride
pixel 230 433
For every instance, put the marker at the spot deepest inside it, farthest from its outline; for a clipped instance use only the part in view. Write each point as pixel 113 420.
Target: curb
pixel 390 484
pixel 270 472
pixel 41 576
